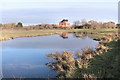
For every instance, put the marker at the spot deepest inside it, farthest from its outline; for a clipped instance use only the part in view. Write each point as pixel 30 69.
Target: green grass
pixel 107 65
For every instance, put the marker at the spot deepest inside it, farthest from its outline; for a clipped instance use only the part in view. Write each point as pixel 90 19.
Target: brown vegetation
pixel 32 27
pixel 68 65
pixel 42 26
pixel 93 24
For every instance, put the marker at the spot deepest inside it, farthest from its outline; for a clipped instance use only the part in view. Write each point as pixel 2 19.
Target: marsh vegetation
pixel 101 62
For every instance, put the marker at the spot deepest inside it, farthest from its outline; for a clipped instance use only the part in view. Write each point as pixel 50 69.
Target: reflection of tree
pixel 64 35
pixel 81 35
pixel 84 37
pixel 78 35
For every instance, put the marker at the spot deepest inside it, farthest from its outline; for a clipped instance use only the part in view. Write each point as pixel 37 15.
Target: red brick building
pixel 64 24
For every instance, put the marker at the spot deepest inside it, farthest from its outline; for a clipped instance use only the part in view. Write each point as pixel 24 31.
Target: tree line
pixel 19 25
pixel 83 24
pixel 31 27
pixel 93 24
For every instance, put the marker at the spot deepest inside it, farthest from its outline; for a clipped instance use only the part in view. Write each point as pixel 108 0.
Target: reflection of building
pixel 64 24
pixel 64 35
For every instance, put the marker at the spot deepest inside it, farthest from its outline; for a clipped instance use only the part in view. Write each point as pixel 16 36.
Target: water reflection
pixel 50 42
pixel 64 35
pixel 26 57
pixel 82 35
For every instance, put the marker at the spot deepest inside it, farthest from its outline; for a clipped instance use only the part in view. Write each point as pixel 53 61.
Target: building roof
pixel 64 20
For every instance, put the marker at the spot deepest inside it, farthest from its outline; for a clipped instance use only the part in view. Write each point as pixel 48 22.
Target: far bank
pixel 13 34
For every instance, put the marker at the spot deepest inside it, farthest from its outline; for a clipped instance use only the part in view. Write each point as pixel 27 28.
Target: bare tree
pixel 83 21
pixel 94 24
pixel 109 25
pixel 76 23
pixel 100 25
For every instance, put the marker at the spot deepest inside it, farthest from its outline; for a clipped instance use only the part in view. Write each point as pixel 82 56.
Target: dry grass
pixel 12 34
pixel 88 63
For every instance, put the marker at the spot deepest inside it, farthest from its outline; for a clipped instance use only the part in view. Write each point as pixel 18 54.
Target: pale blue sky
pixel 52 11
pixel 20 4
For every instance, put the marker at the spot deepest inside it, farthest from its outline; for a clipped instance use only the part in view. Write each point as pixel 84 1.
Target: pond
pixel 26 57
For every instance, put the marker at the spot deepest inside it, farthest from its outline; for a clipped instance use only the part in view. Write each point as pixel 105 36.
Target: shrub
pixel 19 24
pixel 88 64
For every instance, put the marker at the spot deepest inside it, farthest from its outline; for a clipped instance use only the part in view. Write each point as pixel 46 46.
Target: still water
pixel 26 57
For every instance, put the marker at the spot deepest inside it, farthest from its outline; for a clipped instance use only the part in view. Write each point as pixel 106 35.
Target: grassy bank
pixel 106 65
pixel 103 62
pixel 13 34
